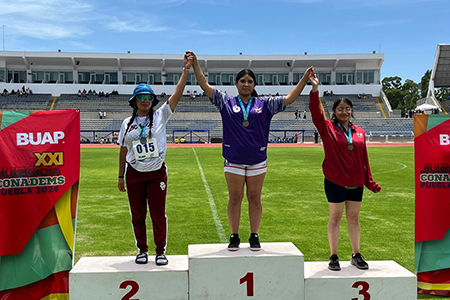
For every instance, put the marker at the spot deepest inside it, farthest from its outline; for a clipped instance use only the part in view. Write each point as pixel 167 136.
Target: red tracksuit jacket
pixel 342 166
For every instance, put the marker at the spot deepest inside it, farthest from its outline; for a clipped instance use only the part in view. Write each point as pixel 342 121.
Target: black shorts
pixel 338 194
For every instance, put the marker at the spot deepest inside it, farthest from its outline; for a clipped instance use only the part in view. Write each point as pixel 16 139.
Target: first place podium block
pixel 384 280
pixel 119 277
pixel 274 272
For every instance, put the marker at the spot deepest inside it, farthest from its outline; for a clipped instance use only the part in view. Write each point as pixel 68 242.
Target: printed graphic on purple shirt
pixel 246 144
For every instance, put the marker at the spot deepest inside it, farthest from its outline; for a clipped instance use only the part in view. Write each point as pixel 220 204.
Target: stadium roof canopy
pixel 169 61
pixel 441 70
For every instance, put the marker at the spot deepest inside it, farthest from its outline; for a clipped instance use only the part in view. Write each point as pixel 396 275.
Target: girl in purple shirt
pixel 246 122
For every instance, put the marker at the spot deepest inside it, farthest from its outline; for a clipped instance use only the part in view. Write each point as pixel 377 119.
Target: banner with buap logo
pixel 39 176
pixel 432 189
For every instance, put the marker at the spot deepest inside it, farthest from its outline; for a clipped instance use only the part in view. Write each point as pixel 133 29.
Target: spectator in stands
pixel 246 121
pixel 5 92
pixel 316 136
pixel 346 169
pixel 304 114
pixel 142 139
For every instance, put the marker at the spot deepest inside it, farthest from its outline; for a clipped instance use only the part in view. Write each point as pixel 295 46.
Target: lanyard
pixel 349 136
pixel 245 111
pixel 142 127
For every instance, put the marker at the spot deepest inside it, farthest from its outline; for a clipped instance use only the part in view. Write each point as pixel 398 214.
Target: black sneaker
pixel 359 262
pixel 161 260
pixel 333 265
pixel 234 242
pixel 254 242
pixel 141 258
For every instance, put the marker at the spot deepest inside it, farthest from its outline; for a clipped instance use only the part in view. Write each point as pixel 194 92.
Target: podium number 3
pixel 134 289
pixel 249 279
pixel 363 291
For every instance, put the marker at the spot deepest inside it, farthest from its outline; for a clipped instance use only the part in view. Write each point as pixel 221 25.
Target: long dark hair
pixel 336 103
pixel 134 115
pixel 249 72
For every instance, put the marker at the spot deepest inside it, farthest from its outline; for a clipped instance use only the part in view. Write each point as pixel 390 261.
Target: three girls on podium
pixel 246 122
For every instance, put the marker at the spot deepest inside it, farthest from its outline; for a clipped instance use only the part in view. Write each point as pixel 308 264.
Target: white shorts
pixel 245 170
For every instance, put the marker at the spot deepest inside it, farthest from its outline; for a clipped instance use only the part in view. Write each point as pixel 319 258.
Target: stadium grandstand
pixel 103 82
pixel 440 78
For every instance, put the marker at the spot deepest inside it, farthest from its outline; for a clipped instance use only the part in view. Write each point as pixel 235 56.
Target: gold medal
pixel 246 123
pixel 350 147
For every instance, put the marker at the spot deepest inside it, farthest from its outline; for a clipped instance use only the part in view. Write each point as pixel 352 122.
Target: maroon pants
pixel 151 188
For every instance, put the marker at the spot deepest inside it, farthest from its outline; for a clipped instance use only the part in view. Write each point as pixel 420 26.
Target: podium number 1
pixel 249 279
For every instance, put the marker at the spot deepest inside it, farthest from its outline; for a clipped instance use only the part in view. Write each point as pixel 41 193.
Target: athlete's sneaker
pixel 234 242
pixel 254 242
pixel 359 262
pixel 141 258
pixel 333 265
pixel 161 260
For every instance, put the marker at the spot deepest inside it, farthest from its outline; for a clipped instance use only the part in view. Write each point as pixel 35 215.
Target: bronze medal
pixel 246 123
pixel 350 147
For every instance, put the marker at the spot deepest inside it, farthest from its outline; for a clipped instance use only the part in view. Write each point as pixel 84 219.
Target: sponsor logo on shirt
pixel 236 108
pixel 258 110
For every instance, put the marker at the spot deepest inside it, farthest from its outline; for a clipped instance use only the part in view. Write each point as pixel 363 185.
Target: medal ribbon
pixel 142 127
pixel 349 136
pixel 245 111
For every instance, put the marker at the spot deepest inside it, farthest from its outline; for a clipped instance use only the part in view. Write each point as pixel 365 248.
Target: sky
pixel 407 32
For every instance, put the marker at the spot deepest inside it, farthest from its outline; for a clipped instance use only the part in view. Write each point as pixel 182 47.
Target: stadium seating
pixel 196 112
pixel 30 102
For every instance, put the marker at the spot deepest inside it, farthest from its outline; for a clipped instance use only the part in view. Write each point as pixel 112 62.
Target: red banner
pixel 432 160
pixel 432 187
pixel 39 162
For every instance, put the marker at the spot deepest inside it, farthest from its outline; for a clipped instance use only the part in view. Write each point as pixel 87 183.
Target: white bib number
pixel 147 150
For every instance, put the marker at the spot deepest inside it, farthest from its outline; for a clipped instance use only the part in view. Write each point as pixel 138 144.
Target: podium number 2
pixel 249 279
pixel 134 289
pixel 363 291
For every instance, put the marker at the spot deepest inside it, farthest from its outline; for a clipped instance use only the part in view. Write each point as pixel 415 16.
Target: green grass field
pixel 294 205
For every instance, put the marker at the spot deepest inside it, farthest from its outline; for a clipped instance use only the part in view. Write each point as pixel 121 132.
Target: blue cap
pixel 143 89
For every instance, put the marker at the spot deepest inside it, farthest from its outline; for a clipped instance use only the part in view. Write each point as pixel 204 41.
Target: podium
pixel 210 271
pixel 384 280
pixel 119 277
pixel 274 272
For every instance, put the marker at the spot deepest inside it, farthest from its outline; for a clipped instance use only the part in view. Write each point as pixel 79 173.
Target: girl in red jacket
pixel 346 169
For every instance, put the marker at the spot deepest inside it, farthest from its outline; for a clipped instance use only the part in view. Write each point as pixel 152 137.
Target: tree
pixel 442 94
pixel 392 87
pixel 392 83
pixel 410 94
pixel 424 84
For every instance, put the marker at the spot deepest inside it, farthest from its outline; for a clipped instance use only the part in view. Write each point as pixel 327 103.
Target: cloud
pixel 220 32
pixel 63 10
pixel 380 23
pixel 48 19
pixel 143 23
pixel 296 1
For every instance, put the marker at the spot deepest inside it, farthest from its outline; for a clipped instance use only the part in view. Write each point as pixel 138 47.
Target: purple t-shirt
pixel 246 145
